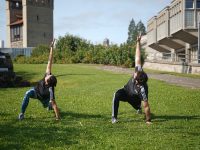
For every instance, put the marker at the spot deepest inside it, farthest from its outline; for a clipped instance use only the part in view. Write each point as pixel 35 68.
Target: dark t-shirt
pixel 134 90
pixel 43 91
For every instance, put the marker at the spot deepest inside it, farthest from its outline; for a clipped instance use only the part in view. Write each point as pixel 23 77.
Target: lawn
pixel 84 96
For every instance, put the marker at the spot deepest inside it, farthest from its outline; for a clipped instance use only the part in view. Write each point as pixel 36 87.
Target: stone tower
pixel 29 22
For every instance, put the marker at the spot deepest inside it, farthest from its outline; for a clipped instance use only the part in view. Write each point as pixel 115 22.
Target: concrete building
pixel 1 43
pixel 106 42
pixel 173 33
pixel 29 22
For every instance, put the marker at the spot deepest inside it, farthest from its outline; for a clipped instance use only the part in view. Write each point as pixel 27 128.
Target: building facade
pixel 29 22
pixel 175 30
pixel 173 36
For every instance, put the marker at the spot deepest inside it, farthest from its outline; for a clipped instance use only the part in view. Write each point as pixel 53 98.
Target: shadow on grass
pixel 22 79
pixel 71 74
pixel 27 75
pixel 82 115
pixel 159 118
pixel 35 134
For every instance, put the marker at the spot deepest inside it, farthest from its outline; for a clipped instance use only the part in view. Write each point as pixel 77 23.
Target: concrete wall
pixel 173 67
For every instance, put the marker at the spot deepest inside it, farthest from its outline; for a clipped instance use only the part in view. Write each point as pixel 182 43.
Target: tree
pixel 131 32
pixel 141 28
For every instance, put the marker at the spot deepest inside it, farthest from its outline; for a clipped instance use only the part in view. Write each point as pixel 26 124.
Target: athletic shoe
pixel 139 111
pixel 114 120
pixel 49 107
pixel 21 116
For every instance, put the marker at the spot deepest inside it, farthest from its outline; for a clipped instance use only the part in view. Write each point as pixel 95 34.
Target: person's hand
pixel 139 37
pixel 149 122
pixel 58 118
pixel 52 43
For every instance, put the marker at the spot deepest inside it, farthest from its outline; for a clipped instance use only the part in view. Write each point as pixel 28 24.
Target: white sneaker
pixel 21 116
pixel 139 111
pixel 114 120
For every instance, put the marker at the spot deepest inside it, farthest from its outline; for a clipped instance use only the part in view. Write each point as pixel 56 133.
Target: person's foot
pixel 139 111
pixel 21 116
pixel 114 120
pixel 49 107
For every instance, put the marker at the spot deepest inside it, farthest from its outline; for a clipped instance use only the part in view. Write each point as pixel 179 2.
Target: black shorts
pixel 134 100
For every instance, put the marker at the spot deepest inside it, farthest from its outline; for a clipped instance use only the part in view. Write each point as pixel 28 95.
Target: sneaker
pixel 21 116
pixel 114 120
pixel 49 107
pixel 139 111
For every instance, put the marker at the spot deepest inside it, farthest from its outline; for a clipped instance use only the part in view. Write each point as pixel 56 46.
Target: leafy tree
pixel 132 32
pixel 141 28
pixel 40 50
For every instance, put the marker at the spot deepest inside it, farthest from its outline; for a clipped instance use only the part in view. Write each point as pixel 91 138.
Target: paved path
pixel 176 80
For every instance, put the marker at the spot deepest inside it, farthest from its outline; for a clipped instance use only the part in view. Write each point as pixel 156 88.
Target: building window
pixel 16 33
pixel 15 5
pixel 37 18
pixel 189 18
pixel 198 3
pixel 189 3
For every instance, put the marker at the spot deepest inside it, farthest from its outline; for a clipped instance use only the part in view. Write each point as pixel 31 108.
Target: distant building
pixel 175 30
pixel 173 33
pixel 29 22
pixel 106 42
pixel 1 43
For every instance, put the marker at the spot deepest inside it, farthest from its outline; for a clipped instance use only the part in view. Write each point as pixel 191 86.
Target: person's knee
pixel 116 95
pixel 28 93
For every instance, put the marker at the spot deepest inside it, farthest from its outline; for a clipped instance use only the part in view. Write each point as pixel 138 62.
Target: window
pixel 44 35
pixel 15 5
pixel 37 18
pixel 189 18
pixel 16 33
pixel 189 3
pixel 198 3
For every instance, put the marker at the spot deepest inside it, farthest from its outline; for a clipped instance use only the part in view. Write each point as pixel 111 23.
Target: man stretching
pixel 43 91
pixel 135 91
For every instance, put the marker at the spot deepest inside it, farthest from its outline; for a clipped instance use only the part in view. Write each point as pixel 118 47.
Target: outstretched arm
pixel 138 52
pixel 56 110
pixel 147 112
pixel 49 65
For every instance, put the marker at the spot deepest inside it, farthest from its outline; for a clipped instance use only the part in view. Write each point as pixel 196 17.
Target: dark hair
pixel 52 81
pixel 142 77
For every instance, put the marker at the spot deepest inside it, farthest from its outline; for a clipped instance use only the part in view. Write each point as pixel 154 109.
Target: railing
pixel 172 57
pixel 17 51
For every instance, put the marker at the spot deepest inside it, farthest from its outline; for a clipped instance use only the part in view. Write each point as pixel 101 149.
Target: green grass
pixel 84 96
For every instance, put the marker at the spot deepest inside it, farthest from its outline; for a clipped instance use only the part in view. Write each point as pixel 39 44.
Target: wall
pixel 173 67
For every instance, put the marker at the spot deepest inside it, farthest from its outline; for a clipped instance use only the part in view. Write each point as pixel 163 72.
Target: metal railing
pixel 17 51
pixel 173 57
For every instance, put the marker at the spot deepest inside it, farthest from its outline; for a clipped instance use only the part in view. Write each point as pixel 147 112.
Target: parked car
pixel 7 74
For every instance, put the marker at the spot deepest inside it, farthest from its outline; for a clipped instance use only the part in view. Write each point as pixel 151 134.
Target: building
pixel 1 43
pixel 106 42
pixel 173 32
pixel 29 22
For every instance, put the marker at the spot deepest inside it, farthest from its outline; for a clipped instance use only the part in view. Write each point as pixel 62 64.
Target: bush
pixel 73 49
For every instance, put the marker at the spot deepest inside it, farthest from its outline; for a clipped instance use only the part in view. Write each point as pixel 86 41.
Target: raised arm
pixel 49 65
pixel 138 52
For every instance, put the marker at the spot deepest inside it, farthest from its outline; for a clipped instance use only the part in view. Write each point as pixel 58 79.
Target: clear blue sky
pixel 96 20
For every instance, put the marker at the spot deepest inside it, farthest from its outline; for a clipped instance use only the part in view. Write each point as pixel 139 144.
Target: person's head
pixel 51 80
pixel 140 76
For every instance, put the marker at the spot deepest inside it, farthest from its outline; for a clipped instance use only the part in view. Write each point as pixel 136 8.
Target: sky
pixel 95 20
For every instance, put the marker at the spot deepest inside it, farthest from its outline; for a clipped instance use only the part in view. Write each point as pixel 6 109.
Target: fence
pixel 17 51
pixel 172 57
